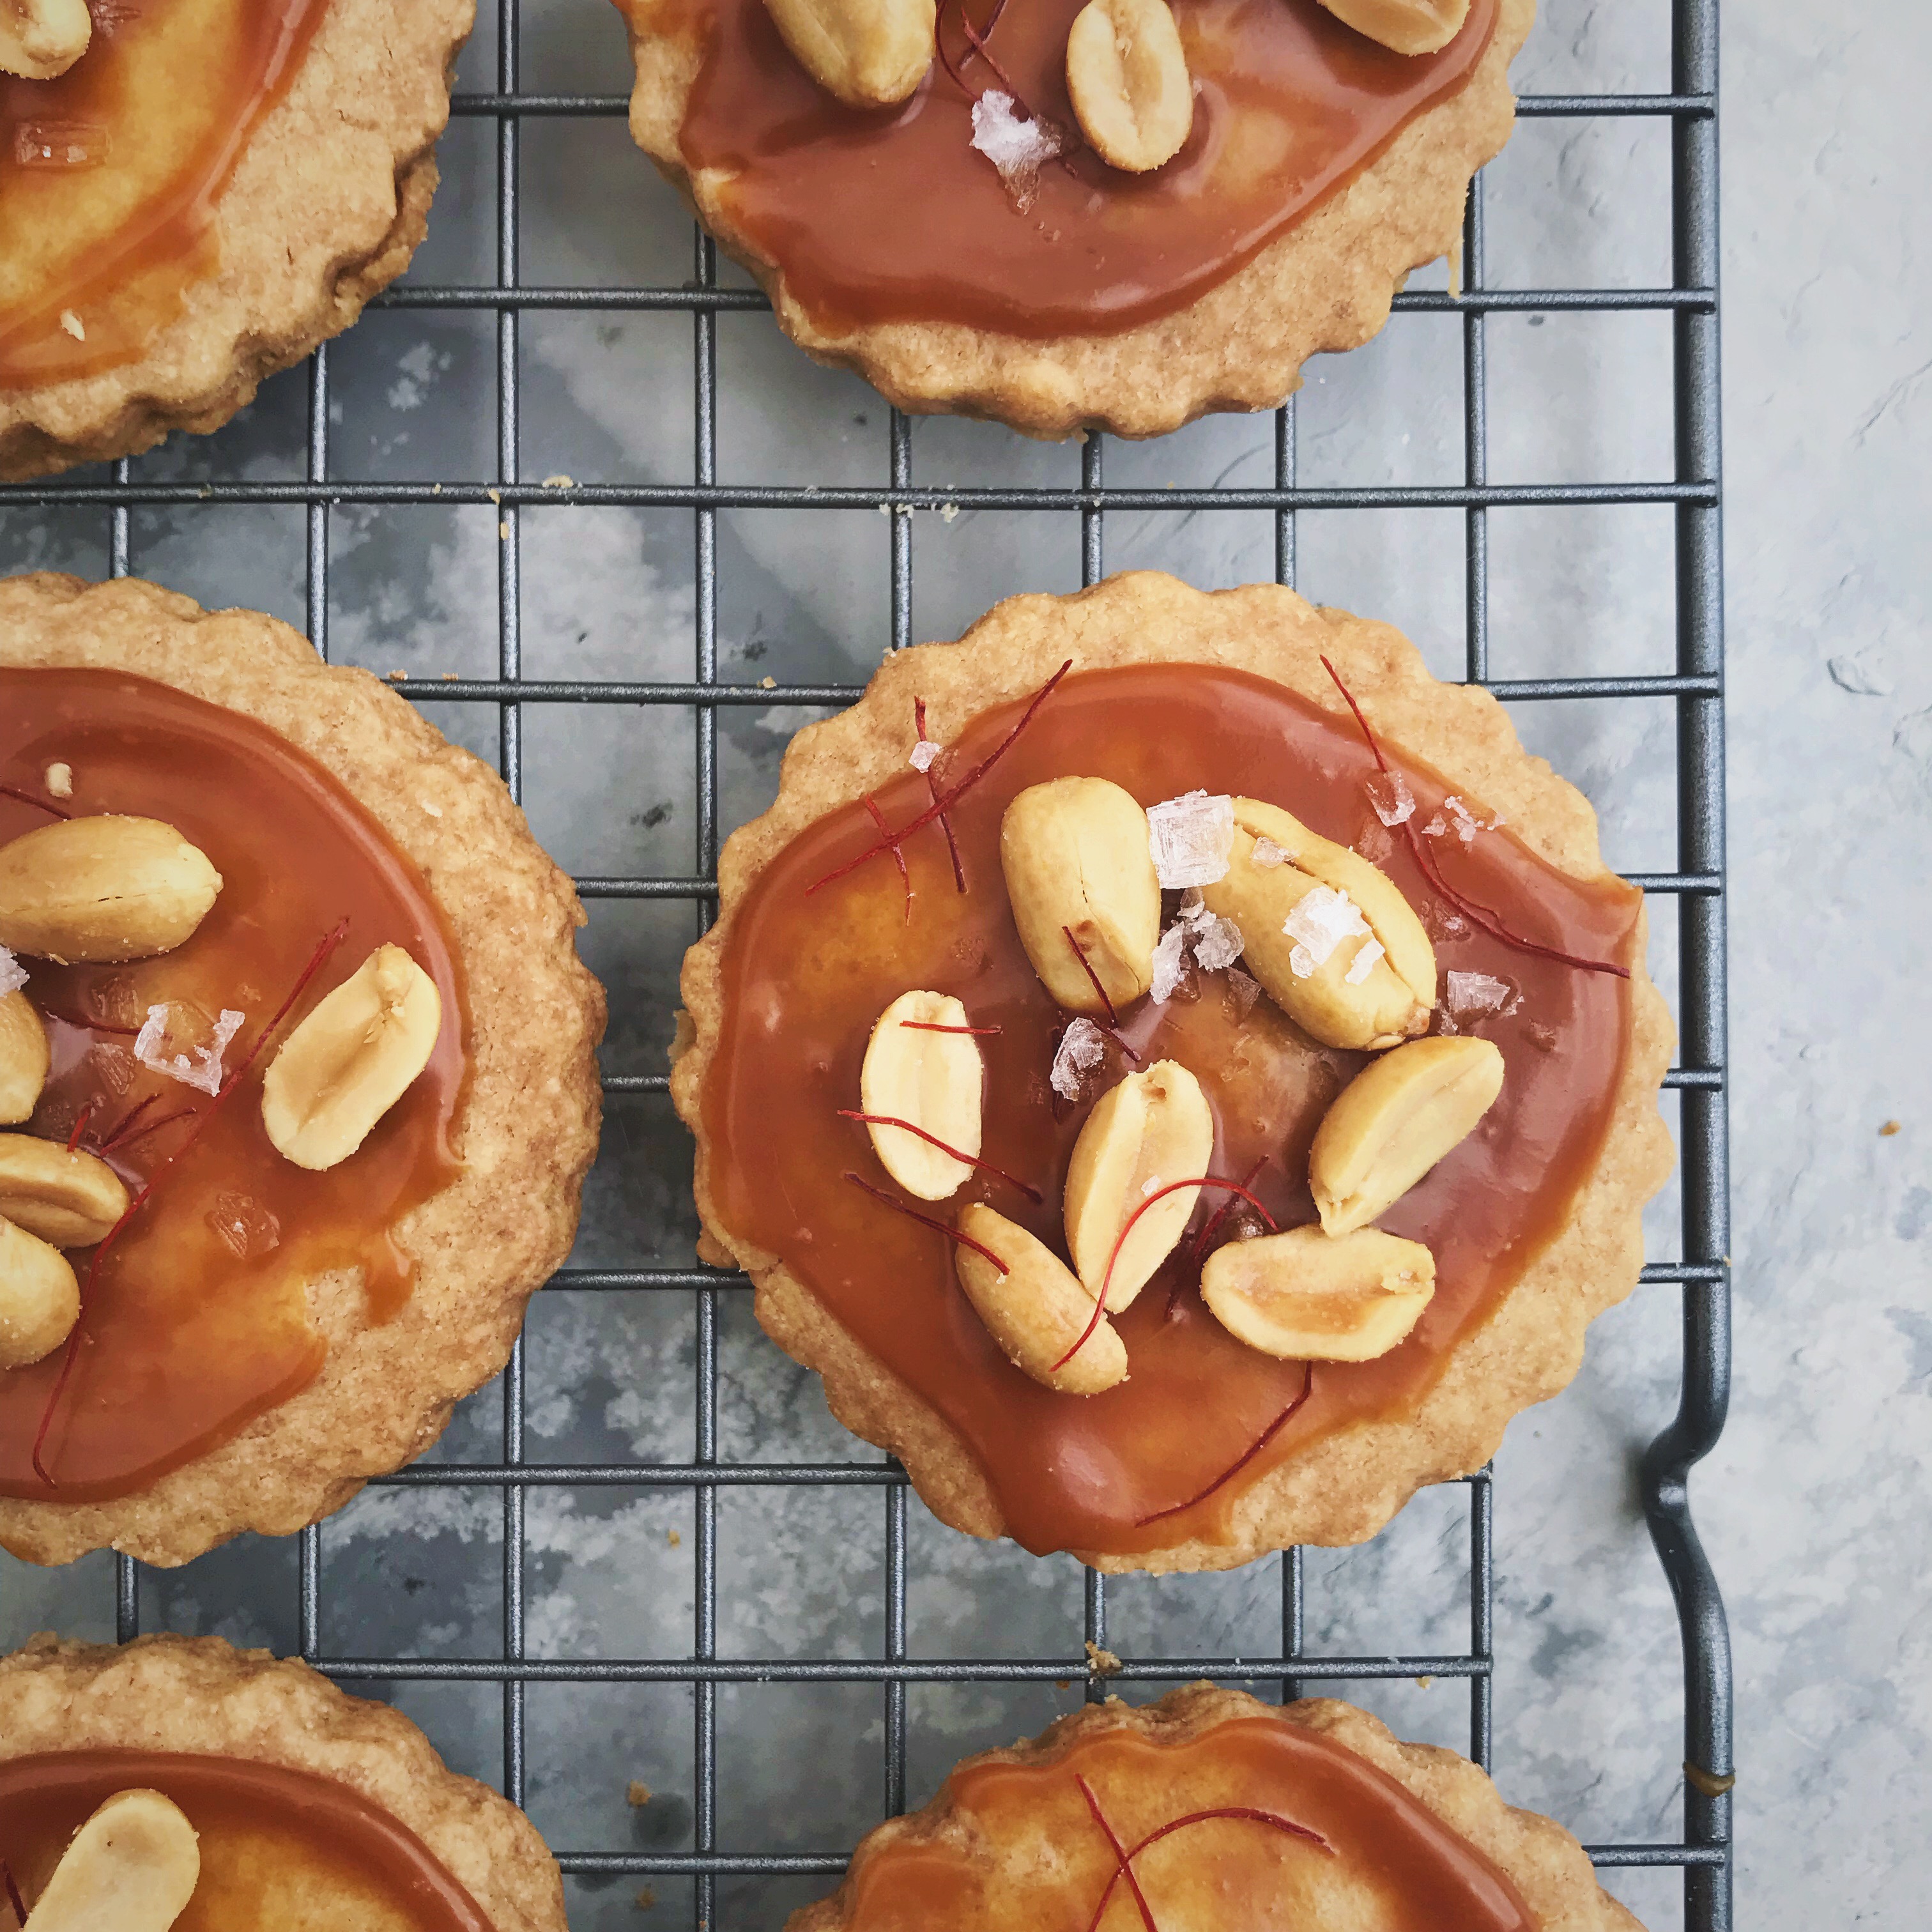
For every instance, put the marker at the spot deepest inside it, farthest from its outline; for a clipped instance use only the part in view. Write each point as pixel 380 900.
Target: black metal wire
pixel 1695 689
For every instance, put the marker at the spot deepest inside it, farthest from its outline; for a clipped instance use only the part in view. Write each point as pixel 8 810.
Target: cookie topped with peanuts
pixel 1183 1076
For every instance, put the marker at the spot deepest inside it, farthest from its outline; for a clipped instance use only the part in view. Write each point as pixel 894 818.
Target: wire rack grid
pixel 1696 688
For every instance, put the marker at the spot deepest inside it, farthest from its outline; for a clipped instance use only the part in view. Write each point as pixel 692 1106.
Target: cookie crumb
pixel 1885 1133
pixel 646 1898
pixel 768 683
pixel 59 781
pixel 1425 1682
pixel 495 496
pixel 673 1538
pixel 559 482
pixel 503 531
pixel 1102 1663
pixel 637 1794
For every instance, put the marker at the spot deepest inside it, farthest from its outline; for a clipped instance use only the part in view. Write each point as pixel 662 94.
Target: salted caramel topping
pixel 277 1847
pixel 892 215
pixel 197 1320
pixel 806 972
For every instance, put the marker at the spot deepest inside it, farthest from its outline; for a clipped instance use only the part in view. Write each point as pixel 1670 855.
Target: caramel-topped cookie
pixel 1104 213
pixel 211 1789
pixel 197 197
pixel 1178 1113
pixel 297 1082
pixel 1210 1810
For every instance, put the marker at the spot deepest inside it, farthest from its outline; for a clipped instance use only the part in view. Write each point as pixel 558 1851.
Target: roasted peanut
pixel 351 1061
pixel 935 1080
pixel 24 1058
pixel 870 53
pixel 65 1196
pixel 1153 1128
pixel 133 1866
pixel 1305 1297
pixel 102 890
pixel 1075 853
pixel 1036 1310
pixel 1404 26
pixel 1128 79
pixel 1394 1121
pixel 40 40
pixel 1333 997
pixel 39 1299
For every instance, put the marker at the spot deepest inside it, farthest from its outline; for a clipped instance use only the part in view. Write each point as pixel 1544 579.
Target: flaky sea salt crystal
pixel 1019 149
pixel 200 1067
pixel 1079 1053
pixel 1435 827
pixel 1322 920
pixel 1170 962
pixel 1389 794
pixel 1267 854
pixel 923 754
pixel 1151 1186
pixel 245 1227
pixel 1441 920
pixel 1466 823
pixel 1241 992
pixel 1190 838
pixel 1218 945
pixel 12 974
pixel 1366 954
pixel 1474 996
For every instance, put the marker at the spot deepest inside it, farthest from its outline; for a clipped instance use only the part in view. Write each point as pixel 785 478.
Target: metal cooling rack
pixel 1703 1852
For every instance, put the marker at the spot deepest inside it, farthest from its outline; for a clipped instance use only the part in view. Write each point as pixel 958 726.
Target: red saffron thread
pixel 13 1897
pixel 932 781
pixel 114 1136
pixel 79 1126
pixel 1221 1213
pixel 1272 1819
pixel 1087 967
pixel 931 1221
pixel 1260 1443
pixel 934 1026
pixel 1121 1041
pixel 28 798
pixel 971 1160
pixel 1121 1852
pixel 328 944
pixel 1478 914
pixel 898 851
pixel 976 38
pixel 1127 1227
pixel 952 794
pixel 127 1139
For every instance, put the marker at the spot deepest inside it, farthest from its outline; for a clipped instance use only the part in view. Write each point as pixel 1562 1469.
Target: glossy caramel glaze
pixel 197 1322
pixel 108 175
pixel 806 974
pixel 1040 1862
pixel 279 1848
pixel 892 215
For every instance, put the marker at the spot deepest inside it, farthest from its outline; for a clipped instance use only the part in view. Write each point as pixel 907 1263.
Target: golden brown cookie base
pixel 527 1131
pixel 1343 1487
pixel 199 1695
pixel 323 212
pixel 1325 285
pixel 1544 1862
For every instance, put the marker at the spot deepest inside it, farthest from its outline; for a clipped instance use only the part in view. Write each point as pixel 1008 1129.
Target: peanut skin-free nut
pixel 870 53
pixel 66 1196
pixel 133 1866
pixel 40 40
pixel 1404 26
pixel 1075 853
pixel 1037 1310
pixel 40 1298
pixel 1393 1000
pixel 24 1058
pixel 1306 1298
pixel 937 1080
pixel 1395 1120
pixel 351 1060
pixel 102 890
pixel 1126 75
pixel 1154 1127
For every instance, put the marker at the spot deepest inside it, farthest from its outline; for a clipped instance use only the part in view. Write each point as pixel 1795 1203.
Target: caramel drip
pixel 197 1320
pixel 807 973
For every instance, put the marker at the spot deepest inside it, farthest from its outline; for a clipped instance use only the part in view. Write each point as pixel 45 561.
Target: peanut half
pixel 1075 853
pixel 1305 1297
pixel 1404 26
pixel 1153 1127
pixel 103 890
pixel 1037 1310
pixel 1128 79
pixel 40 40
pixel 351 1061
pixel 1394 1121
pixel 65 1195
pixel 134 1866
pixel 39 1299
pixel 936 1081
pixel 870 53
pixel 1336 999
pixel 24 1058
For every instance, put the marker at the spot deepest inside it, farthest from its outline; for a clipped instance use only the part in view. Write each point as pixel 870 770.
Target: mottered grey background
pixel 1809 1505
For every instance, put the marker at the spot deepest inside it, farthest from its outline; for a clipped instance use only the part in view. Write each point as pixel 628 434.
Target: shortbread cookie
pixel 1173 963
pixel 301 1807
pixel 327 1090
pixel 205 194
pixel 962 257
pixel 1209 1810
